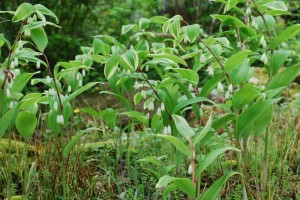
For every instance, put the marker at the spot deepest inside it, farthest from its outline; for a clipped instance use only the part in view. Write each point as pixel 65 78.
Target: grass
pixel 105 165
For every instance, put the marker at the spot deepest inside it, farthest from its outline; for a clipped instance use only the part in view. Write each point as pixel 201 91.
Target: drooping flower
pixel 202 58
pixel 263 42
pixel 220 88
pixel 151 106
pixel 264 58
pixel 191 88
pixel 248 11
pixel 60 119
pixel 55 106
pixel 210 70
pixel 143 93
pixel 48 79
pixel 7 92
pixel 230 88
pixel 69 88
pixel 27 33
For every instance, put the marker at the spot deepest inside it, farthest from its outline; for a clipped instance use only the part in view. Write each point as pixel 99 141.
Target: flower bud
pixel 60 119
pixel 158 112
pixel 248 11
pixel 210 71
pixel 38 64
pixel 27 33
pixel 11 104
pixel 20 44
pixel 16 61
pixel 191 88
pixel 151 106
pixel 227 95
pixel 230 88
pixel 55 106
pixel 220 88
pixel 143 93
pixel 48 79
pixel 83 73
pixel 254 24
pixel 80 83
pixel 7 92
pixel 69 88
pixel 136 85
pixel 162 106
pixel 264 58
pixel 190 170
pixel 263 42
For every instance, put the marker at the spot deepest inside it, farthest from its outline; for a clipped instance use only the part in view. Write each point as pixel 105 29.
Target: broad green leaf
pixel 81 90
pixel 167 190
pixel 144 23
pixel 169 56
pixel 187 102
pixel 39 37
pixel 213 191
pixel 241 73
pixel 187 186
pixel 270 20
pixel 45 11
pixel 138 116
pixel 236 59
pixel 100 47
pixel 279 58
pixel 129 27
pixel 183 127
pixel 244 96
pixel 175 28
pixel 216 49
pixel 222 121
pixel 21 81
pixel 188 74
pixel 285 35
pixel 38 24
pixel 284 78
pixel 7 118
pixel 180 146
pixel 164 181
pixel 22 12
pixel 262 122
pixel 150 159
pixel 191 32
pixel 111 66
pixel 203 132
pixel 246 119
pixel 129 60
pixel 73 141
pixel 26 123
pixel 210 85
pixel 211 157
pixel 230 4
pixel 276 8
pixel 158 19
pixel 98 58
pixel 229 20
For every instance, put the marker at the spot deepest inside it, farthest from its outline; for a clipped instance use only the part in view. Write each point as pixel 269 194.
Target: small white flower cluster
pixel 210 70
pixel 228 93
pixel 160 109
pixel 167 130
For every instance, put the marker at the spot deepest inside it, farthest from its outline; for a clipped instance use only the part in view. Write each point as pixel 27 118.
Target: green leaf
pixel 129 60
pixel 73 141
pixel 158 19
pixel 7 118
pixel 144 23
pixel 81 90
pixel 263 121
pixel 279 57
pixel 246 119
pixel 210 85
pixel 188 74
pixel 39 37
pixel 236 59
pixel 111 66
pixel 203 132
pixel 222 121
pixel 285 35
pixel 42 9
pixel 100 47
pixel 22 12
pixel 230 4
pixel 191 32
pixel 211 157
pixel 187 186
pixel 243 97
pixel 21 81
pixel 213 191
pixel 183 127
pixel 284 78
pixel 241 73
pixel 129 27
pixel 169 56
pixel 229 20
pixel 180 146
pixel 186 102
pixel 164 181
pixel 138 116
pixel 26 123
pixel 150 159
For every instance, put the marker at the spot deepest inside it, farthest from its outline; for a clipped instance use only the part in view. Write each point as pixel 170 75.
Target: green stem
pixel 9 167
pixel 256 169
pixel 266 158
